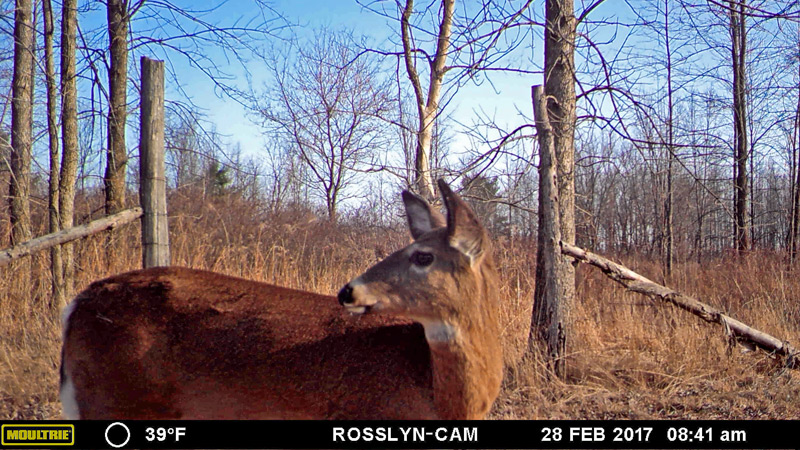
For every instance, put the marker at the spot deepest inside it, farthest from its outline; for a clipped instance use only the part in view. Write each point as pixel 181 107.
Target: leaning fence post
pixel 153 183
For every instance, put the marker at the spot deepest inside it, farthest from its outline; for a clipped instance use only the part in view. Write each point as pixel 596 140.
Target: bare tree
pixel 442 46
pixel 117 153
pixel 738 35
pixel 427 103
pixel 669 241
pixel 555 294
pixel 69 137
pixel 327 104
pixel 793 234
pixel 664 61
pixel 22 128
pixel 58 298
pixel 180 33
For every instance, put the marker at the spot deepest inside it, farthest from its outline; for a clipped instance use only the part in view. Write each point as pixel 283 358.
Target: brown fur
pixel 183 343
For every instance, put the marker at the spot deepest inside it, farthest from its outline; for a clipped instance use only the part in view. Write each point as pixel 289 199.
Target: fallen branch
pixel 70 234
pixel 637 283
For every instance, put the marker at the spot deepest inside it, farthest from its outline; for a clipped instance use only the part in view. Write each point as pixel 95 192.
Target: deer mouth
pixel 358 300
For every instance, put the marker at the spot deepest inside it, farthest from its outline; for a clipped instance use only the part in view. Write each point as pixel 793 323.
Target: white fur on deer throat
pixel 437 331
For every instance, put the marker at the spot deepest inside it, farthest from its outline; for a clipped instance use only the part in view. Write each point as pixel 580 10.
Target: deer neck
pixel 467 368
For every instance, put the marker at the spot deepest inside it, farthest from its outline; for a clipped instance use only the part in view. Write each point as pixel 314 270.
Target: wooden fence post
pixel 153 182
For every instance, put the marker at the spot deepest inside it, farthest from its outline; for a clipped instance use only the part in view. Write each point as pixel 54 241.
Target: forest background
pixel 292 127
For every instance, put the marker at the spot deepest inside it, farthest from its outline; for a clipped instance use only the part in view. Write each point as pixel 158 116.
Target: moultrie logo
pixel 29 435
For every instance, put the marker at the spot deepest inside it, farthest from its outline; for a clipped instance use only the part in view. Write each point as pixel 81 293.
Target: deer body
pixel 177 343
pixel 193 344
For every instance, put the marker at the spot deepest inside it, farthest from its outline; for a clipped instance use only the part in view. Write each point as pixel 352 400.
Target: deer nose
pixel 346 295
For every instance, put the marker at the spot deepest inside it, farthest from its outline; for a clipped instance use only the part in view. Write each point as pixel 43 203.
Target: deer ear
pixel 464 231
pixel 421 217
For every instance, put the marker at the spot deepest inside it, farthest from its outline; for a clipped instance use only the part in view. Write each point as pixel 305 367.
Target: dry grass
pixel 635 359
pixel 630 358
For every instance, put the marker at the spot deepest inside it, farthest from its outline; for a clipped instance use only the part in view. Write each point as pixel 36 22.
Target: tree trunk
pixel 21 132
pixel 738 53
pixel 559 67
pixel 794 223
pixel 668 203
pixel 56 269
pixel 549 315
pixel 427 105
pixel 559 90
pixel 794 180
pixel 69 137
pixel 795 231
pixel 422 156
pixel 114 179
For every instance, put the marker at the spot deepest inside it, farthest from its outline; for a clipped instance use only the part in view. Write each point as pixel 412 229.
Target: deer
pixel 416 336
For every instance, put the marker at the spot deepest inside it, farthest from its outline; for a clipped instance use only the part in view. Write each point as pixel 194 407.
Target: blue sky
pixel 500 100
pixel 230 117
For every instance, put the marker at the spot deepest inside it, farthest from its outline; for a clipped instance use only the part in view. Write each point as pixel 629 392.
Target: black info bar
pixel 308 434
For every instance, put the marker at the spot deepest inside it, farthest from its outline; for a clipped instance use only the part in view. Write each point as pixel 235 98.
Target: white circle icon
pixel 127 431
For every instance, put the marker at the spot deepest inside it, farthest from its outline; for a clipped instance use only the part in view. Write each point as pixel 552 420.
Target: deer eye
pixel 422 258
